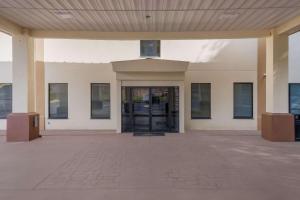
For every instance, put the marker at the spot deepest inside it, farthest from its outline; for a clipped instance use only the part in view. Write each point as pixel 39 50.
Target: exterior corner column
pixel 119 107
pixel 277 123
pixel 277 50
pixel 181 108
pixel 39 80
pixel 23 73
pixel 261 80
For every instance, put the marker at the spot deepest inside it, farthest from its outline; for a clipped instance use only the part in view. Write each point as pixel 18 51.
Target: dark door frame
pixel 297 117
pixel 131 114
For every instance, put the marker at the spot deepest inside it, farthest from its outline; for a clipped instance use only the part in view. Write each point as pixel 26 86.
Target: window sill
pixel 56 118
pixel 95 118
pixel 200 118
pixel 250 118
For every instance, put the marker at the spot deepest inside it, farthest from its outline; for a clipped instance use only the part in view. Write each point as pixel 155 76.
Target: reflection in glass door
pixel 294 106
pixel 159 109
pixel 140 109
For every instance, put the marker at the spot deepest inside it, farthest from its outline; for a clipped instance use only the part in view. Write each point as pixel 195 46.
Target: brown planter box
pixel 22 127
pixel 278 127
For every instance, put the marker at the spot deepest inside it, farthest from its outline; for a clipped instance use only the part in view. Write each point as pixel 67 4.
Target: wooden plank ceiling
pixel 163 15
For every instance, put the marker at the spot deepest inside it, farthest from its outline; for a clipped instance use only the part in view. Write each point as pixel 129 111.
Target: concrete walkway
pixel 206 165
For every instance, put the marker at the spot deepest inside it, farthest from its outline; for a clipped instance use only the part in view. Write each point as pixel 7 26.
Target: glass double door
pixel 149 109
pixel 294 106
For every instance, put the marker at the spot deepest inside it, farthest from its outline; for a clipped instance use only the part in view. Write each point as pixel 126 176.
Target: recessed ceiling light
pixel 229 15
pixel 64 14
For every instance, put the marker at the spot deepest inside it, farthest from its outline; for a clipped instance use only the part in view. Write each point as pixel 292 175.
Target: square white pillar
pixel 23 73
pixel 277 50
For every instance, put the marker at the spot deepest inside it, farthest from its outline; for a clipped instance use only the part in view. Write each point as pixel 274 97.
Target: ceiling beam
pixel 289 27
pixel 149 35
pixel 10 27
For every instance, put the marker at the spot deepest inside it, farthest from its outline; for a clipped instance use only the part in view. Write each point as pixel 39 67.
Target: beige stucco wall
pixel 5 47
pixel 294 58
pixel 221 78
pixel 195 51
pixel 79 77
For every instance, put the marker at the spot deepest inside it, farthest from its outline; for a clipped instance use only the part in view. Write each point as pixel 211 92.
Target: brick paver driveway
pixel 205 165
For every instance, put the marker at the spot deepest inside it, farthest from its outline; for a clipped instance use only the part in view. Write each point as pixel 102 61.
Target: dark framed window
pixel 294 98
pixel 58 101
pixel 201 100
pixel 243 101
pixel 100 101
pixel 5 99
pixel 150 48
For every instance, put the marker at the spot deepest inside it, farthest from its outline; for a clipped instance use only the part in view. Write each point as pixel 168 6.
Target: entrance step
pixel 148 134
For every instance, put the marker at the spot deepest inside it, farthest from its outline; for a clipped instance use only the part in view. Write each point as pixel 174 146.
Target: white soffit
pixel 149 15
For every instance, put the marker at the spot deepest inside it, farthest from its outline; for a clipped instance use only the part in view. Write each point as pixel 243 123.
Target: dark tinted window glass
pixel 58 100
pixel 150 48
pixel 100 100
pixel 201 105
pixel 295 98
pixel 5 99
pixel 243 100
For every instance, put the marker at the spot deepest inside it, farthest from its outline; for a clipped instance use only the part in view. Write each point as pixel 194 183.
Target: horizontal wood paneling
pixel 166 15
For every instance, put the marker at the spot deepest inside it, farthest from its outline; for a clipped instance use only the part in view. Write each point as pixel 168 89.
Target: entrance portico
pixel 213 78
pixel 29 91
pixel 148 73
pixel 152 73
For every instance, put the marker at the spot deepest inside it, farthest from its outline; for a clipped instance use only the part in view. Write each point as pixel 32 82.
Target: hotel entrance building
pixel 214 88
pixel 136 71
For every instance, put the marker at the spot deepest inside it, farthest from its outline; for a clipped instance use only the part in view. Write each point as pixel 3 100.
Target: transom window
pixel 150 48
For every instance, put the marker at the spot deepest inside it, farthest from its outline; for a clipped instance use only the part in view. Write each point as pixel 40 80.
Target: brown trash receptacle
pixel 278 127
pixel 22 127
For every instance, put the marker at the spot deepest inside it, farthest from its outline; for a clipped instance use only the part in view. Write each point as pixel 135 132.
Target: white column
pixel 119 107
pixel 261 80
pixel 39 80
pixel 23 73
pixel 277 74
pixel 181 108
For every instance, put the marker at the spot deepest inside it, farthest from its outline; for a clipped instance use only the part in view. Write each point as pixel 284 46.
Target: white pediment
pixel 150 65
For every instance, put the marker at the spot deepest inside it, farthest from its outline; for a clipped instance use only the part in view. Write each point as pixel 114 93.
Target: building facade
pixel 107 86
